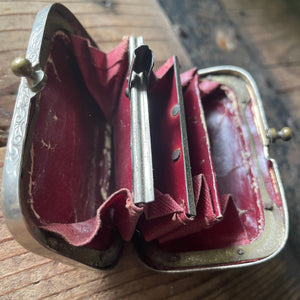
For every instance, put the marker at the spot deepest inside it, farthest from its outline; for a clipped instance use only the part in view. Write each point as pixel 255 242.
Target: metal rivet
pixel 176 154
pixel 127 92
pixel 268 206
pixel 175 110
pixel 240 252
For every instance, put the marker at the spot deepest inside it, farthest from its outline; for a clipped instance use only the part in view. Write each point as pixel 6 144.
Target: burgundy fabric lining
pixel 57 202
pixel 169 175
pixel 174 224
pixel 93 61
pixel 199 144
pixel 163 205
pixel 206 215
pixel 187 77
pixel 101 79
pixel 116 212
pixel 166 214
pixel 235 173
pixel 103 73
pixel 227 233
pixel 65 145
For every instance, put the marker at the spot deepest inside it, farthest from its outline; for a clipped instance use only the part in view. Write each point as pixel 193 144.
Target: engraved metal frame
pixel 275 233
pixel 49 20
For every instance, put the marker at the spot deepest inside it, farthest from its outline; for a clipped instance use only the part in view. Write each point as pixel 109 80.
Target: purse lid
pixel 21 215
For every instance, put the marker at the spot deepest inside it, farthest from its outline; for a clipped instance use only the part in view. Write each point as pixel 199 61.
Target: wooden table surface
pixel 24 275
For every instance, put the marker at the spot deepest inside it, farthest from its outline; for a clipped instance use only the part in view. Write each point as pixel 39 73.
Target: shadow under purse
pixel 102 149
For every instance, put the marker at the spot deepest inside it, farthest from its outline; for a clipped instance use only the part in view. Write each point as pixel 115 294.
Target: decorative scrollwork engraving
pixel 21 112
pixel 18 125
pixel 36 36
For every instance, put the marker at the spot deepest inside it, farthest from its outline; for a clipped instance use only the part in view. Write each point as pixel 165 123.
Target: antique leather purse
pixel 103 150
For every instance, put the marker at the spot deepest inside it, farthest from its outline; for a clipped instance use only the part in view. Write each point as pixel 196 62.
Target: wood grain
pixel 273 27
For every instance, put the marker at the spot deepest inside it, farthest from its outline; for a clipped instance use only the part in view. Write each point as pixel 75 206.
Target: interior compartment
pixel 167 218
pixel 70 187
pixel 236 171
pixel 78 175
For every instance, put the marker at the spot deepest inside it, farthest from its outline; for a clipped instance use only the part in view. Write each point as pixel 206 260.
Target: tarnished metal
pixel 191 207
pixel 284 134
pixel 36 78
pixel 141 64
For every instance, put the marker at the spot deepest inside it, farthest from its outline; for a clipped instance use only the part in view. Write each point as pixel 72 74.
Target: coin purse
pixel 103 150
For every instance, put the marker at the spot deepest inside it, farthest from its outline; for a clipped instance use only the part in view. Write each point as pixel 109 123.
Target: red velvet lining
pixel 79 173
